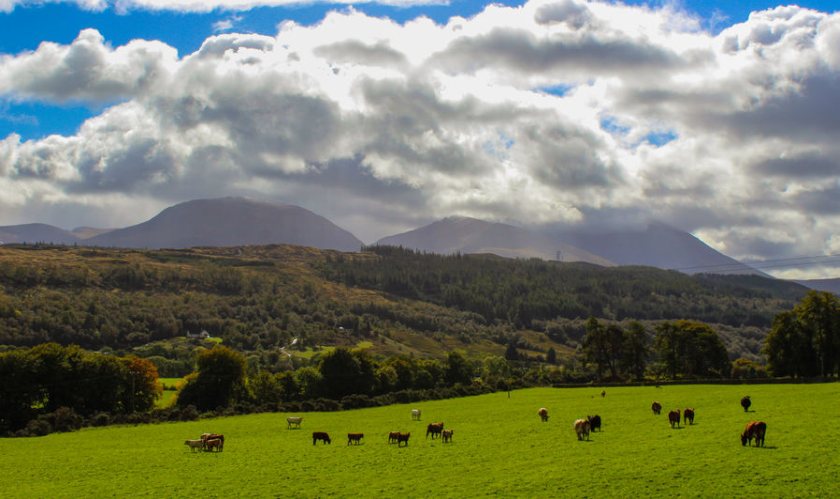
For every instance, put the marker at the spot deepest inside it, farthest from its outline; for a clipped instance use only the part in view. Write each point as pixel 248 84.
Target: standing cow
pixel 674 418
pixel 415 414
pixel 746 403
pixel 656 407
pixel 322 436
pixel 543 412
pixel 688 416
pixel 434 429
pixel 754 430
pixel 594 422
pixel 393 437
pixel 582 429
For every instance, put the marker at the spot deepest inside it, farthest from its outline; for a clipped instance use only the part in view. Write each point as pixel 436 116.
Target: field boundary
pixel 713 381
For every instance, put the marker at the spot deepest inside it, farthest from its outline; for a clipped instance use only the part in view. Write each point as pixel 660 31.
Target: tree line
pixel 63 383
pixel 51 378
pixel 805 341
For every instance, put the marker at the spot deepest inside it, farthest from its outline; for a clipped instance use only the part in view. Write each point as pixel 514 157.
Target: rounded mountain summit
pixel 231 221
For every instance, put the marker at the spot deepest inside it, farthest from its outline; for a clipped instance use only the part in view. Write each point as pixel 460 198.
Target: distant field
pixel 167 397
pixel 500 448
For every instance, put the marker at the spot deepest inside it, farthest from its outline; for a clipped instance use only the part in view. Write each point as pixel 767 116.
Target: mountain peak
pixel 231 221
pixel 459 234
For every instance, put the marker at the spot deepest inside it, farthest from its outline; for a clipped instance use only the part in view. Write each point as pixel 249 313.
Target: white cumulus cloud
pixel 382 125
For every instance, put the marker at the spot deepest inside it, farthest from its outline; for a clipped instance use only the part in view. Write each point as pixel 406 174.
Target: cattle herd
pixel 754 431
pixel 207 442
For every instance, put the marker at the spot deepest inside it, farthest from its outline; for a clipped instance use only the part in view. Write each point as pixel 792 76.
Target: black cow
pixel 674 418
pixel 322 436
pixel 656 407
pixel 746 403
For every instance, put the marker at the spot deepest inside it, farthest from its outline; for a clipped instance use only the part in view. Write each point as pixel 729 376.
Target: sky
pixel 716 117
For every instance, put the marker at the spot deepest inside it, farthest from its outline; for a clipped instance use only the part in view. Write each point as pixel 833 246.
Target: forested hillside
pixel 257 299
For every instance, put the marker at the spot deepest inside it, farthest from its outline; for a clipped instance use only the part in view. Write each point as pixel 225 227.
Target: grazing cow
pixel 603 393
pixel 434 429
pixel 393 437
pixel 674 418
pixel 403 437
pixel 205 437
pixel 543 412
pixel 754 430
pixel 656 407
pixel 594 422
pixel 415 414
pixel 322 436
pixel 447 435
pixel 746 403
pixel 293 421
pixel 688 415
pixel 213 443
pixel 194 444
pixel 582 429
pixel 355 438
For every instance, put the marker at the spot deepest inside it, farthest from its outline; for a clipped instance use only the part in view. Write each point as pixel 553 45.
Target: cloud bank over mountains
pixel 556 112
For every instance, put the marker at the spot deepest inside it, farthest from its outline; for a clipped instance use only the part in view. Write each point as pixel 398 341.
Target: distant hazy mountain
pixel 35 233
pixel 470 235
pixel 230 222
pixel 88 232
pixel 830 285
pixel 658 245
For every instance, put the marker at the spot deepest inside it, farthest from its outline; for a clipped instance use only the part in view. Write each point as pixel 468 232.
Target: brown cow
pixel 582 429
pixel 447 435
pixel 393 437
pixel 543 412
pixel 656 407
pixel 355 438
pixel 746 403
pixel 434 429
pixel 674 418
pixel 213 436
pixel 403 437
pixel 688 415
pixel 213 443
pixel 754 430
pixel 322 436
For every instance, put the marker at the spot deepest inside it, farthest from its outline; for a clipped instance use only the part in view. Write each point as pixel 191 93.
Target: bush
pixel 100 419
pixel 65 419
pixel 36 428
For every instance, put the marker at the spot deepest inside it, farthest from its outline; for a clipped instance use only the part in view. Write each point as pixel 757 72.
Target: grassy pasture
pixel 500 448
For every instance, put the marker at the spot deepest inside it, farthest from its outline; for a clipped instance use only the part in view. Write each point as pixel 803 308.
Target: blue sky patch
pixel 660 138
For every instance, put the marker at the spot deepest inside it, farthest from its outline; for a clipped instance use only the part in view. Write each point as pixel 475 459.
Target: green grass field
pixel 500 448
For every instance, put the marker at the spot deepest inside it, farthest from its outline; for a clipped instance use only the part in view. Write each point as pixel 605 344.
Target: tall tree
pixel 346 373
pixel 691 348
pixel 219 380
pixel 806 340
pixel 603 346
pixel 636 351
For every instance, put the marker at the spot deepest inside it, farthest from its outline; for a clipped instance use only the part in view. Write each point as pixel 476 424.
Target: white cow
pixel 294 421
pixel 582 429
pixel 194 444
pixel 415 414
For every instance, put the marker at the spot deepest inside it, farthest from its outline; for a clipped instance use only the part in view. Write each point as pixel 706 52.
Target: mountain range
pixel 234 221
